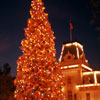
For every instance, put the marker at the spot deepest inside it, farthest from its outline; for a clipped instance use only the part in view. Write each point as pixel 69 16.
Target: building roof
pixel 71 51
pixel 73 54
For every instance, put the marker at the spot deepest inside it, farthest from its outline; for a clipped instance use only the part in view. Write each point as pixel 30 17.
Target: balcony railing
pixel 90 79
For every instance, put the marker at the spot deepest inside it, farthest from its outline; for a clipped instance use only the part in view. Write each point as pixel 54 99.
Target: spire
pixel 71 28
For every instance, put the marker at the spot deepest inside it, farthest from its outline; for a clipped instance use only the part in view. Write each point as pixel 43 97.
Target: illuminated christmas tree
pixel 38 74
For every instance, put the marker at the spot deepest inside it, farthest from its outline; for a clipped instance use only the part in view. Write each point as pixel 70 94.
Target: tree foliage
pixel 38 73
pixel 94 6
pixel 6 83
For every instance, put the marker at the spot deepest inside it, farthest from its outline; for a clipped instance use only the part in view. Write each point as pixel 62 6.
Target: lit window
pixel 69 80
pixel 87 96
pixel 69 95
pixel 98 78
pixel 87 79
pixel 75 96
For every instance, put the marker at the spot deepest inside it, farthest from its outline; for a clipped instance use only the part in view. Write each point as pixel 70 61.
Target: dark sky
pixel 13 20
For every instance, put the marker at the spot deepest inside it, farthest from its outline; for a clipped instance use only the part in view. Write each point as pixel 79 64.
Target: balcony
pixel 90 79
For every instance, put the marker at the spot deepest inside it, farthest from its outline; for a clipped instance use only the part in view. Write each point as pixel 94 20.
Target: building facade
pixel 81 82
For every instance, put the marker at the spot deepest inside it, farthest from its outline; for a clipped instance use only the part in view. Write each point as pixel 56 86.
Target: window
pixel 75 97
pixel 87 96
pixel 70 95
pixel 98 78
pixel 87 79
pixel 68 80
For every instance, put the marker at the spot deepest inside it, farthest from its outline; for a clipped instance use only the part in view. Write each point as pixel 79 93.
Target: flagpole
pixel 70 35
pixel 71 28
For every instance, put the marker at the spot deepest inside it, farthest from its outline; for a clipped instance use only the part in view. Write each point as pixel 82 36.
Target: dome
pixel 72 51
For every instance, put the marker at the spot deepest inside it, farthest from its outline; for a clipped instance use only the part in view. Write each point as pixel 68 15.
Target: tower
pixel 81 82
pixel 73 64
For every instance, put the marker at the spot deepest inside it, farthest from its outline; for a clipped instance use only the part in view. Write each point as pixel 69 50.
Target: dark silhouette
pixel 94 6
pixel 6 83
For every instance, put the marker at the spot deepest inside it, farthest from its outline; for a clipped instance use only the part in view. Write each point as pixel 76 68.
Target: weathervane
pixel 71 28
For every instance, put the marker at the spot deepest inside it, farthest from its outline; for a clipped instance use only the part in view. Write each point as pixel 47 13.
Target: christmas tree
pixel 38 74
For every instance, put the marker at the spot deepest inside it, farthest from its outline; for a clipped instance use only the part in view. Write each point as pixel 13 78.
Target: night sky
pixel 13 20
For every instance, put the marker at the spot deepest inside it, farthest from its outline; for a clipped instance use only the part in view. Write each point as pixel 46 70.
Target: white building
pixel 81 82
